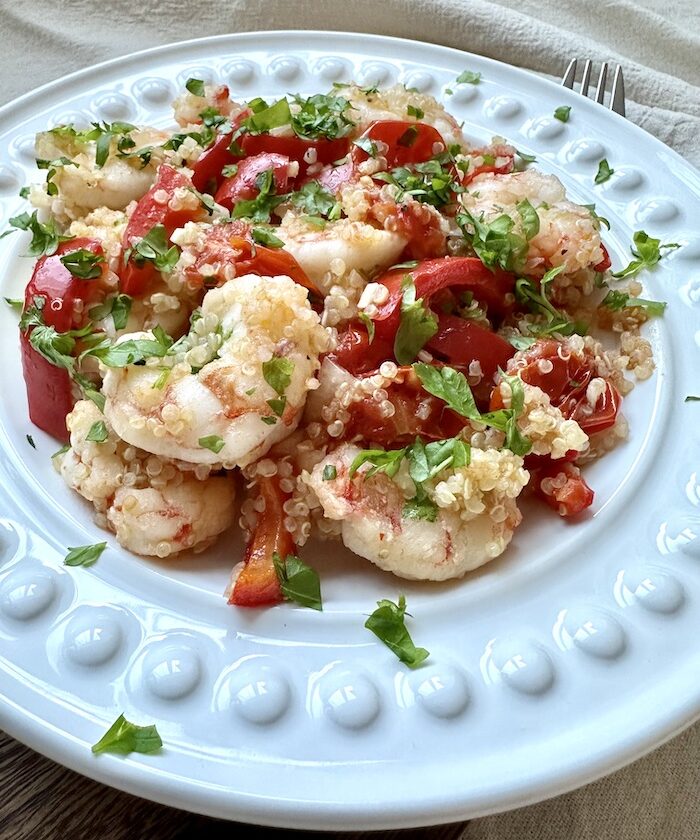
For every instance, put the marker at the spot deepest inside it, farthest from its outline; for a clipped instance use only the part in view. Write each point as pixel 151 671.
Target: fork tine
pixel 570 75
pixel 602 79
pixel 586 78
pixel 617 102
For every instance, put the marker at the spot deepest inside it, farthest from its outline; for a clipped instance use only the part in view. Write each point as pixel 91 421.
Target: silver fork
pixel 617 96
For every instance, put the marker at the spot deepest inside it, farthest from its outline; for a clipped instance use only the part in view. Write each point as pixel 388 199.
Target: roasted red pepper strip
pixel 407 142
pixel 295 148
pixel 431 276
pixel 148 213
pixel 605 263
pixel 257 585
pixel 242 185
pixel 207 170
pixel 572 497
pixel 49 388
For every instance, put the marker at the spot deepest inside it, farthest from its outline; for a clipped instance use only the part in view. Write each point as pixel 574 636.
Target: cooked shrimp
pixel 152 506
pixel 568 233
pixel 84 186
pixel 392 104
pixel 331 255
pixel 475 513
pixel 216 387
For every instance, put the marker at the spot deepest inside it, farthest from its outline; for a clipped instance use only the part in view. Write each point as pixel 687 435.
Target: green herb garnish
pixel 124 737
pixel 388 624
pixel 84 555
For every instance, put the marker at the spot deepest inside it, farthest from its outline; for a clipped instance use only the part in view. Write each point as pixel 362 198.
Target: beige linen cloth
pixel 657 42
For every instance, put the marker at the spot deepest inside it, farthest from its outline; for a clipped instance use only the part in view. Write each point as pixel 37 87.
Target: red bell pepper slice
pixel 148 213
pixel 49 388
pixel 605 263
pixel 242 185
pixel 257 585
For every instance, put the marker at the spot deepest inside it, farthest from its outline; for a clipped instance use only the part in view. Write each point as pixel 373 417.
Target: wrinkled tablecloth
pixel 658 44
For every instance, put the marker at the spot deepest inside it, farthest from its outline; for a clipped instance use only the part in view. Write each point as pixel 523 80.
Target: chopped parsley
pixel 214 443
pixel 98 432
pixel 322 115
pixel 53 166
pixel 84 555
pixel 313 200
pixel 417 326
pixel 30 441
pixel 118 307
pixel 646 252
pixel 264 236
pixel 536 301
pixel 155 247
pixel 604 172
pixel 298 582
pixel 367 145
pixel 330 473
pixel 388 623
pixel 14 303
pixel 413 111
pixel 369 325
pixel 266 117
pixel 452 387
pixel 195 86
pixel 431 182
pixel 562 113
pixel 691 398
pixel 529 217
pixel 277 372
pixel 494 242
pixel 258 209
pixel 83 264
pixel 45 237
pixel 124 737
pixel 468 77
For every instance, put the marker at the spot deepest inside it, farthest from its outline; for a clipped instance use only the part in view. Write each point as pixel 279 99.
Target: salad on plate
pixel 326 315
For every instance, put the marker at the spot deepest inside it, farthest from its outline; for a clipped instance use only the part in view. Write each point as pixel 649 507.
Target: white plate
pixel 573 654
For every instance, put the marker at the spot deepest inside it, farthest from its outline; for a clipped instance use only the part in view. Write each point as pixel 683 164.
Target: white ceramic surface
pixel 571 655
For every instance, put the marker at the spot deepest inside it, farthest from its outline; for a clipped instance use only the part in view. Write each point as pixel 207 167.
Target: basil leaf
pixel 330 473
pixel 600 220
pixel 83 264
pixel 604 172
pixel 387 461
pixel 468 77
pixel 268 118
pixel 195 86
pixel 277 372
pixel 98 432
pixel 84 555
pixel 413 111
pixel 409 137
pixel 417 326
pixel 387 623
pixel 30 441
pixel 124 737
pixel 129 352
pixel 562 113
pixel 615 301
pixel 647 253
pixel 449 385
pixel 214 443
pixel 62 451
pixel 265 237
pixel 118 307
pixel 530 219
pixel 298 582
pixel 691 398
pixel 14 303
